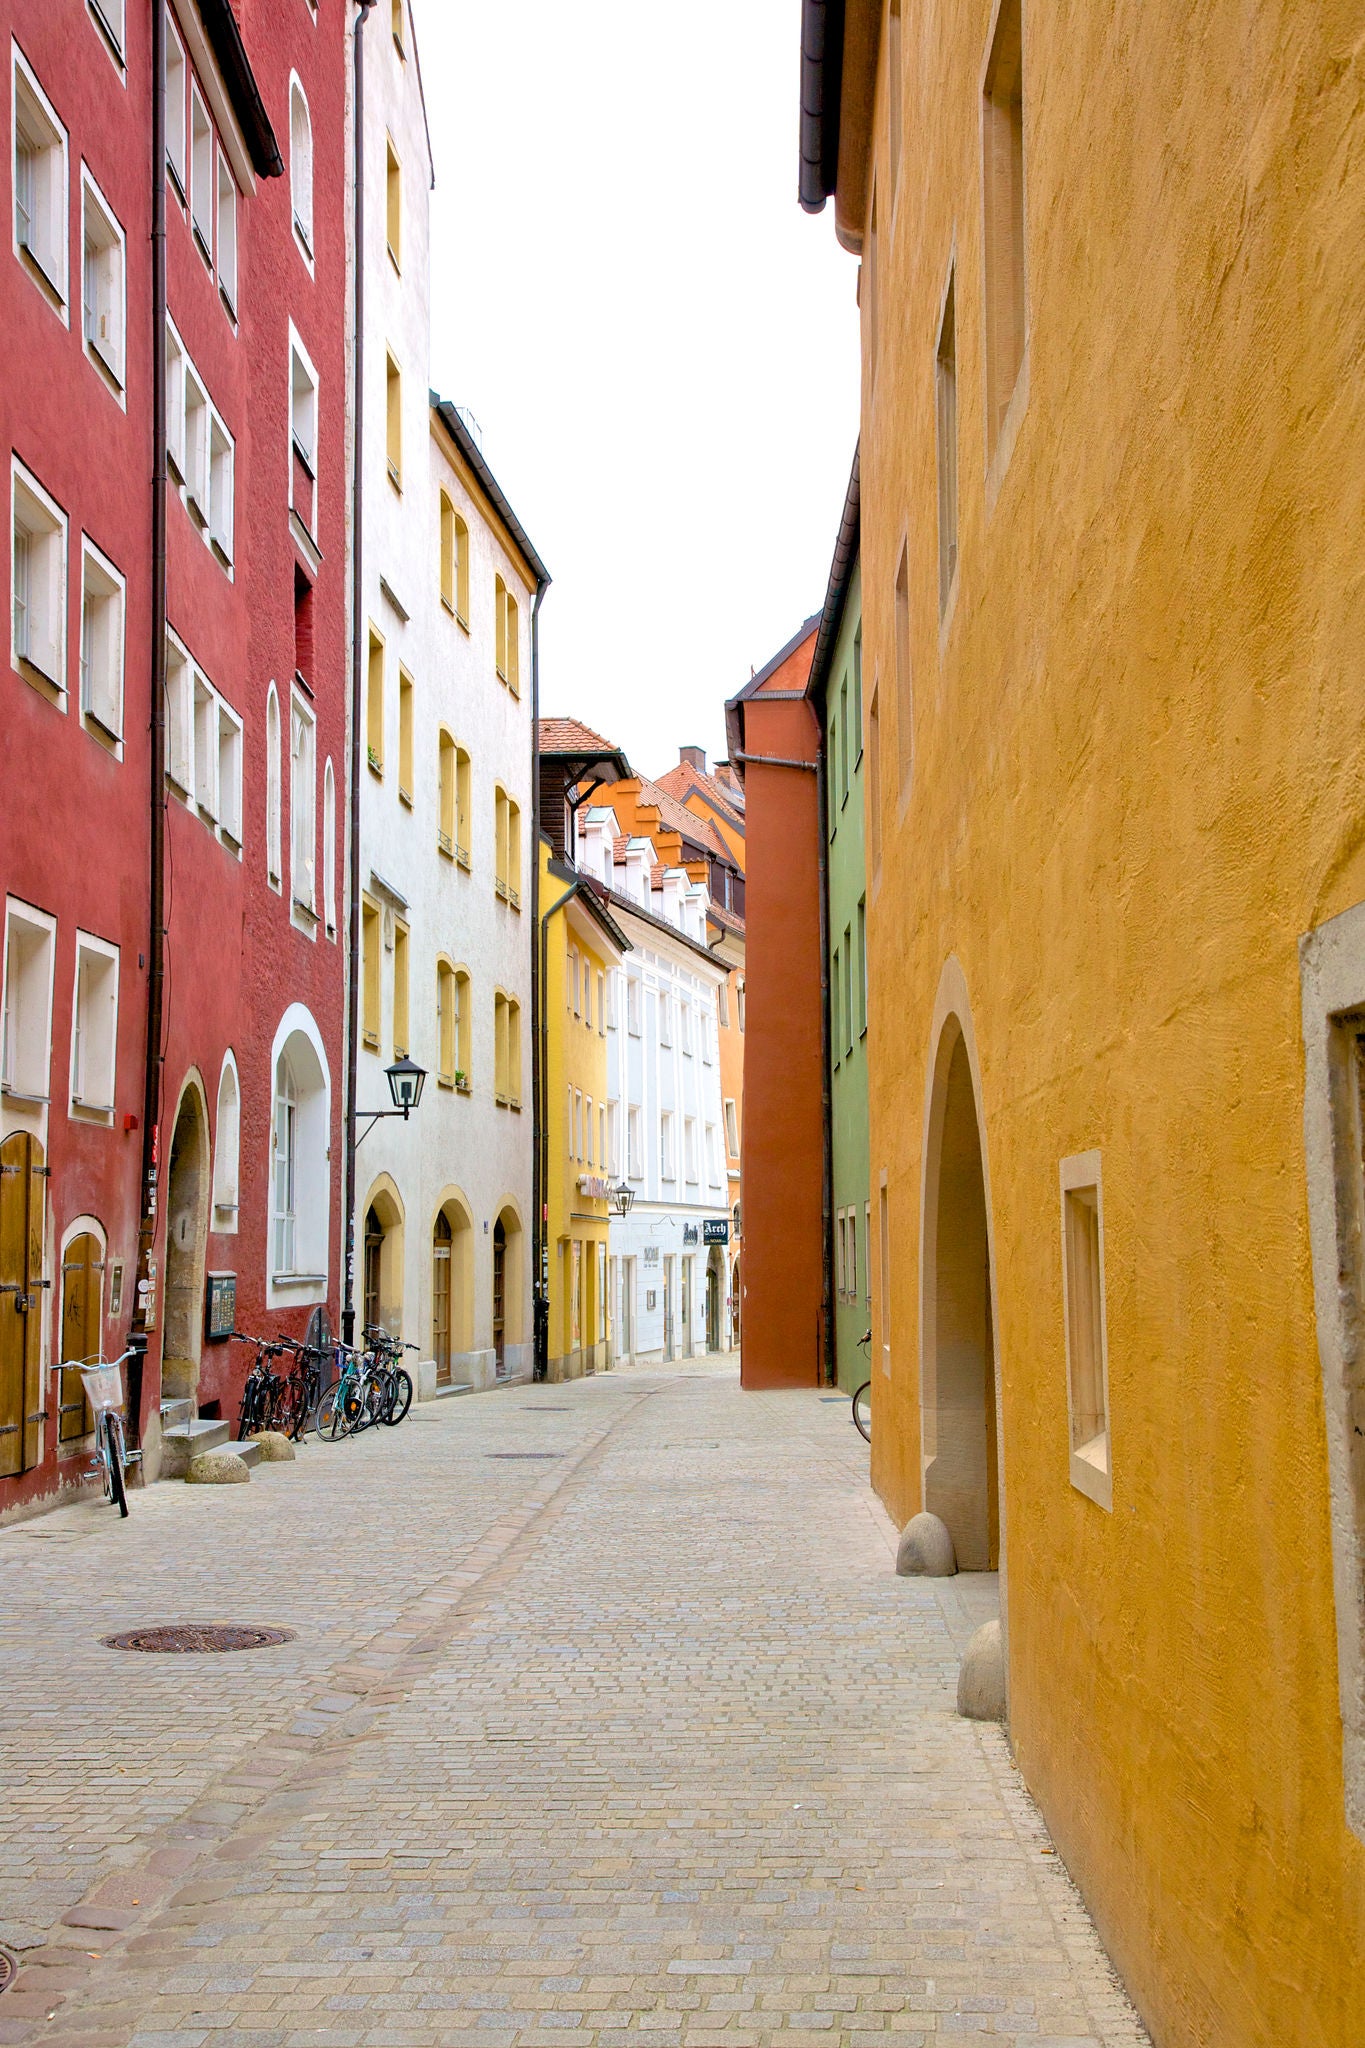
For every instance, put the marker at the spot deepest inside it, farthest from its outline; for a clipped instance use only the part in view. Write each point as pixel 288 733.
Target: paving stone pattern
pixel 639 1742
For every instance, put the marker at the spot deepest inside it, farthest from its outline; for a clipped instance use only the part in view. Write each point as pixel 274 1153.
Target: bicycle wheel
pixel 371 1400
pixel 330 1418
pixel 115 1489
pixel 862 1410
pixel 400 1397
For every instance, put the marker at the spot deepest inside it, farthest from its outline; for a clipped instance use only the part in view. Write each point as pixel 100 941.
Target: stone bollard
pixel 275 1447
pixel 926 1549
pixel 981 1681
pixel 217 1468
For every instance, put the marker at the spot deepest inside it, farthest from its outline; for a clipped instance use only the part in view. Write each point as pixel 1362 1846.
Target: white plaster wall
pixel 455 1144
pixel 654 1077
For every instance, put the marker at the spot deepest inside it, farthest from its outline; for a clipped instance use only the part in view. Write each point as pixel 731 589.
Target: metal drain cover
pixel 523 1454
pixel 198 1637
pixel 7 1969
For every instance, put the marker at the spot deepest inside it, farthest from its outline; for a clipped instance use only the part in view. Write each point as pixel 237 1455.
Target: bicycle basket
pixel 103 1386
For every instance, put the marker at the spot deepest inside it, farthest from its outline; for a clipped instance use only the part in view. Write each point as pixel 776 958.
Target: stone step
pixel 248 1450
pixel 187 1440
pixel 448 1393
pixel 173 1413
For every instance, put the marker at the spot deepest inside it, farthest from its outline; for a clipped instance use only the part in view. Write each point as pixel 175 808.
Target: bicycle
pixel 263 1392
pixel 103 1384
pixel 392 1376
pixel 862 1400
pixel 300 1389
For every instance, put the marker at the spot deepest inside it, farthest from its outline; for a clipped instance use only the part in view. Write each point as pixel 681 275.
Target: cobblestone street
pixel 606 1720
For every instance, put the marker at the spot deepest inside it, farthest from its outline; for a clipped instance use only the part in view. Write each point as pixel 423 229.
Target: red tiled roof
pixel 690 824
pixel 571 736
pixel 682 780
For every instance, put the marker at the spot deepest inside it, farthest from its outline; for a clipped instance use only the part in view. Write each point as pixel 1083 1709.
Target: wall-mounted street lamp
pixel 405 1079
pixel 623 1199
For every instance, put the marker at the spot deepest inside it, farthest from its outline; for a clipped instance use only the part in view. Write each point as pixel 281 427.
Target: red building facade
pixel 774 742
pixel 243 643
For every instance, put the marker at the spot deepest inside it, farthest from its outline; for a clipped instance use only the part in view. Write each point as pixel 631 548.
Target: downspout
pixel 144 1308
pixel 826 1104
pixel 542 1136
pixel 540 1300
pixel 357 689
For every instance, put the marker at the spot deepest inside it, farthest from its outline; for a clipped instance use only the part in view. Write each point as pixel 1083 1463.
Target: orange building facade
pixel 774 741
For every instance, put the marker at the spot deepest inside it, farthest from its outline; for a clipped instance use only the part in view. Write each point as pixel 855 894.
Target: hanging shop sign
pixel 715 1230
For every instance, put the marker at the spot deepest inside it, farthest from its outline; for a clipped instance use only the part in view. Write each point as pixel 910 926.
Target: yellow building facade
pixel 1113 462
pixel 581 945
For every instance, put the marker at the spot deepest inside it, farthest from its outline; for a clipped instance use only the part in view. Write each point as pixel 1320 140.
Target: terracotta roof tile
pixel 682 780
pixel 571 736
pixel 677 818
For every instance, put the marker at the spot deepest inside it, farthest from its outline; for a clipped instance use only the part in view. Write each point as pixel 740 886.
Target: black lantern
pixel 405 1084
pixel 623 1199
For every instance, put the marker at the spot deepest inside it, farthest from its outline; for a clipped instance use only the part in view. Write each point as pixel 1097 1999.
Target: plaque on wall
pixel 220 1305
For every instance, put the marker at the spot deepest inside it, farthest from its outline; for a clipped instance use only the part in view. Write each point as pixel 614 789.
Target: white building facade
pixel 448 587
pixel 667 1261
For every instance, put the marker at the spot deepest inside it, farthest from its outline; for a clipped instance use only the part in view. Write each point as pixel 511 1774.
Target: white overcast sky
pixel 660 348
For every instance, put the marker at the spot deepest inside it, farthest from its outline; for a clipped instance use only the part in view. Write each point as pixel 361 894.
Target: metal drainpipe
pixel 145 1293
pixel 826 1103
pixel 542 1134
pixel 539 1292
pixel 357 689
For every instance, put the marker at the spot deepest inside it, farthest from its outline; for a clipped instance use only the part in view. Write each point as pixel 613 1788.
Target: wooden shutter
pixel 82 1303
pixel 22 1213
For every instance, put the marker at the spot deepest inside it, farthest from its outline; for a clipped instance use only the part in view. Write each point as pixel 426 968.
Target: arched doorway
pixel 82 1327
pixel 734 1304
pixel 958 1392
pixel 187 1199
pixel 715 1298
pixel 500 1297
pixel 382 1261
pixel 23 1211
pixel 441 1238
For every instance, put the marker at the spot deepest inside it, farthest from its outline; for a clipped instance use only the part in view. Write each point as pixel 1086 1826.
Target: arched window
pixel 513 1069
pixel 462 807
pixel 301 164
pixel 272 787
pixel 446 818
pixel 499 840
pixel 329 847
pixel 500 626
pixel 512 872
pixel 512 672
pixel 446 1023
pixel 499 1046
pixel 462 1027
pixel 226 1147
pixel 447 552
pixel 301 1173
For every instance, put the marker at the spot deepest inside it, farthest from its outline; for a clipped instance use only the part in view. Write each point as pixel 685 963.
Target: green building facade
pixel 836 689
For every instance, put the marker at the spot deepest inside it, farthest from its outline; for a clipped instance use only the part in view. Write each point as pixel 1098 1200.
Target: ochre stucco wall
pixel 1139 777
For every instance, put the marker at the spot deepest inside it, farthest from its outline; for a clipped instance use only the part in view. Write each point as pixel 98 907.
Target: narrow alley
pixel 604 1717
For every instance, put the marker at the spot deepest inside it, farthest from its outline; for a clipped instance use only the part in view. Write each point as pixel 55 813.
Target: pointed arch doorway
pixel 959 1407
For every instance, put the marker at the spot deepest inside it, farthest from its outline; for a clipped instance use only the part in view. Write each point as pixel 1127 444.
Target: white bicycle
pixel 103 1384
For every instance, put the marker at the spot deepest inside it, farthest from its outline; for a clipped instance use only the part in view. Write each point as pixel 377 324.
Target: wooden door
pixel 23 1205
pixel 82 1330
pixel 440 1298
pixel 499 1292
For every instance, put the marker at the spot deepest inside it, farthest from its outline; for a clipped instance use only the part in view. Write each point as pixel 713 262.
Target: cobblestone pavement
pixel 606 1721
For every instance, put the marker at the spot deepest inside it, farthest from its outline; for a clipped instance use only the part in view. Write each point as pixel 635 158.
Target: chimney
pixel 693 757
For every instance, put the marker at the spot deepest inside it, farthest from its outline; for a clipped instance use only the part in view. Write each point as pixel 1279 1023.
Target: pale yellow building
pixel 1113 464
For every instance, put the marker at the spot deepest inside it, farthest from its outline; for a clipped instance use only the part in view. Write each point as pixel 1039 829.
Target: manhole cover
pixel 6 1970
pixel 523 1454
pixel 198 1637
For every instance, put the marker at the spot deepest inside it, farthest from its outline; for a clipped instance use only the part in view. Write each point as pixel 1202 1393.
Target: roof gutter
pixel 822 66
pixel 225 40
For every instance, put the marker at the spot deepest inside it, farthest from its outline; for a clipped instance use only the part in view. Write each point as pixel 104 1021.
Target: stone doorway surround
pixel 961 1412
pixel 1332 987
